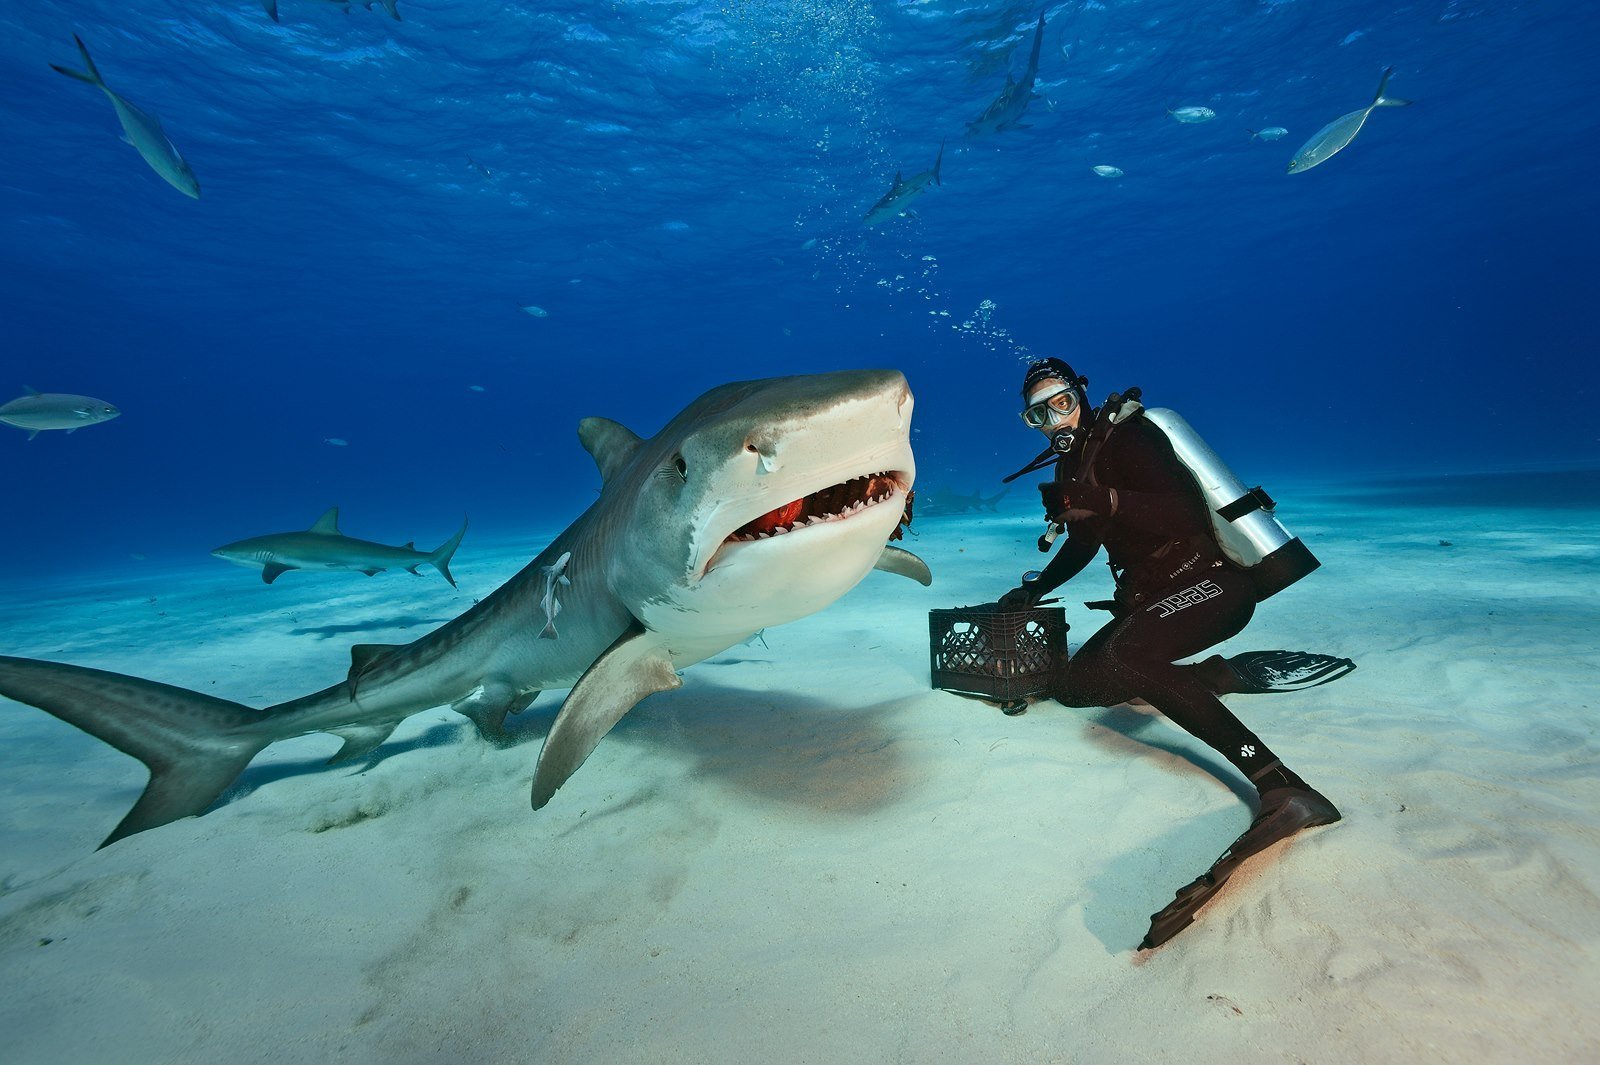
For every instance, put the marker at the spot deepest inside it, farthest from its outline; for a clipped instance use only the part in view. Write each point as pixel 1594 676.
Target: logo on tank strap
pixel 1196 593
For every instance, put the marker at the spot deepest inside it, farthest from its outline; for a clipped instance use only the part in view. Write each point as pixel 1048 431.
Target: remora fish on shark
pixel 142 131
pixel 897 201
pixel 1006 111
pixel 323 546
pixel 39 411
pixel 760 503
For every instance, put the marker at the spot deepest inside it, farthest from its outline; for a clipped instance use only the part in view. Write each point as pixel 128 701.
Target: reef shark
pixel 949 501
pixel 39 411
pixel 897 201
pixel 323 546
pixel 142 131
pixel 390 6
pixel 761 502
pixel 1007 109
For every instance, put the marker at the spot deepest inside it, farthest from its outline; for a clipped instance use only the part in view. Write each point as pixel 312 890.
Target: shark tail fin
pixel 440 559
pixel 194 745
pixel 936 163
pixel 391 7
pixel 1254 133
pixel 272 8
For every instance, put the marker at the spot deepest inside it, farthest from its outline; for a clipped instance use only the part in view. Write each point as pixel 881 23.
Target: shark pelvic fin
pixel 611 443
pixel 630 669
pixel 328 524
pixel 487 706
pixel 360 740
pixel 900 561
pixel 363 656
pixel 194 745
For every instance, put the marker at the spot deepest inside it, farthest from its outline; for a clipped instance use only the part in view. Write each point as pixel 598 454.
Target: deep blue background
pixel 1422 303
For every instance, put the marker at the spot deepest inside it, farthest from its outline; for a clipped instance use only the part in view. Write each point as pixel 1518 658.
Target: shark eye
pixel 681 466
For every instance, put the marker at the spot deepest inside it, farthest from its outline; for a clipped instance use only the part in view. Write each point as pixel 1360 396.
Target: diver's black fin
pixel 1284 811
pixel 1268 672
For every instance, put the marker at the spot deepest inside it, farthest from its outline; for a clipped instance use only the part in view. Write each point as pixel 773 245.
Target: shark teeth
pixel 833 503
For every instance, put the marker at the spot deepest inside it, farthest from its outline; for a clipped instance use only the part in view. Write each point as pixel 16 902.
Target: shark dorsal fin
pixel 611 443
pixel 328 524
pixel 363 656
pixel 30 390
pixel 411 545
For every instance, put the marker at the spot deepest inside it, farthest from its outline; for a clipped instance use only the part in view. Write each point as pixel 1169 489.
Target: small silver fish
pixel 37 411
pixel 139 129
pixel 1271 133
pixel 336 441
pixel 1192 115
pixel 1108 171
pixel 1332 138
pixel 554 577
pixel 536 311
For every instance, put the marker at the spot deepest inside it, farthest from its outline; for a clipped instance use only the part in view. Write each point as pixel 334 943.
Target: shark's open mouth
pixel 831 504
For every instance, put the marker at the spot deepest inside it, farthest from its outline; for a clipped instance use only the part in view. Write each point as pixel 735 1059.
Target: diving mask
pixel 1062 403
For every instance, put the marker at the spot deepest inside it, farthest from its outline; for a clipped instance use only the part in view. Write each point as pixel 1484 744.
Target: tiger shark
pixel 760 503
pixel 1006 111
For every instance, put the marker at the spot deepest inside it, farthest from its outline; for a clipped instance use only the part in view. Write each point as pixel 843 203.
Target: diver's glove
pixel 1071 500
pixel 1020 598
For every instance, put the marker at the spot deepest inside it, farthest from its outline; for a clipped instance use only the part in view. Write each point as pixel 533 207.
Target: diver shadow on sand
pixel 1138 881
pixel 399 621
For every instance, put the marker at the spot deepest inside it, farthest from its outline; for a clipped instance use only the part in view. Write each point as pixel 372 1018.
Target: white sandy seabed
pixel 806 855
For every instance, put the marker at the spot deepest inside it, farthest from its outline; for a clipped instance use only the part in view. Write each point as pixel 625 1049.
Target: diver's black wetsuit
pixel 1176 594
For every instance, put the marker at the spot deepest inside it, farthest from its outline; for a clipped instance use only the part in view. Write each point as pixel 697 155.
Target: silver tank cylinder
pixel 1243 520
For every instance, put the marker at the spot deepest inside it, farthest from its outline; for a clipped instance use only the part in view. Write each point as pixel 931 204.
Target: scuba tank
pixel 1242 519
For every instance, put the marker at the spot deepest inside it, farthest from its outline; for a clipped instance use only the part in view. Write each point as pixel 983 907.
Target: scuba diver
pixel 1131 480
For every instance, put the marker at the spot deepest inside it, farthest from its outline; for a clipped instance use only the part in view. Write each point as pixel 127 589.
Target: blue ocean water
pixel 679 186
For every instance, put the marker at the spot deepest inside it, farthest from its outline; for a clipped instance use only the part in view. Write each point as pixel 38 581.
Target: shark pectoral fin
pixel 630 669
pixel 610 443
pixel 372 572
pixel 903 562
pixel 360 740
pixel 363 656
pixel 487 706
pixel 272 571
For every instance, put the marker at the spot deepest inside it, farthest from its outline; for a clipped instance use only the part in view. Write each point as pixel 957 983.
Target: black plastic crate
pixel 1003 656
